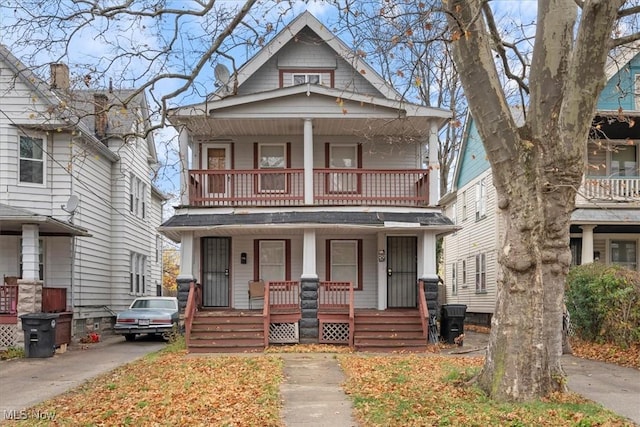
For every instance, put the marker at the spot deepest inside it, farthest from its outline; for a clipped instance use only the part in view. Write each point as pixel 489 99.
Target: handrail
pixel 352 317
pixel 424 310
pixel 265 315
pixel 9 299
pixel 193 303
pixel 284 294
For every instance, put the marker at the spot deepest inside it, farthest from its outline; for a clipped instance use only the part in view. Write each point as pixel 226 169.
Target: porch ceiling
pixel 12 219
pixel 622 217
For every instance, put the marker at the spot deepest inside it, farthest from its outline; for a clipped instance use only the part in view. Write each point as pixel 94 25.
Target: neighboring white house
pixel 78 209
pixel 311 171
pixel 605 225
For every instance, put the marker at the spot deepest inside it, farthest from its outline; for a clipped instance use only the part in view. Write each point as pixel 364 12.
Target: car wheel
pixel 130 337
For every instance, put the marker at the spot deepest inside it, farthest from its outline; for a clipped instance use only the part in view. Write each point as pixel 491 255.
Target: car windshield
pixel 154 303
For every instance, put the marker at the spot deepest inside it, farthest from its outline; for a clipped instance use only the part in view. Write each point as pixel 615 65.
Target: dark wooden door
pixel 402 272
pixel 215 271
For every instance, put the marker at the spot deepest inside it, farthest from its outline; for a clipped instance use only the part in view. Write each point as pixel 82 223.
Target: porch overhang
pixel 294 221
pixel 12 219
pixel 606 217
pixel 334 112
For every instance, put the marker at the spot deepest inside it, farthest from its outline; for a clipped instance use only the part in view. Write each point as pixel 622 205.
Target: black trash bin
pixel 452 322
pixel 39 334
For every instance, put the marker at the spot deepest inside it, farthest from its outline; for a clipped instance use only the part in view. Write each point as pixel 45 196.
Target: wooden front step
pixel 386 331
pixel 227 332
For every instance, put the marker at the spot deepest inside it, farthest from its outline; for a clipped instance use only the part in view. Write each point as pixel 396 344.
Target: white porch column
pixel 30 252
pixel 309 270
pixel 382 271
pixel 427 268
pixel 587 243
pixel 183 140
pixel 186 257
pixel 308 162
pixel 434 166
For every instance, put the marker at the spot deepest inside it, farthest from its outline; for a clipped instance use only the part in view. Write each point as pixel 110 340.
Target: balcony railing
pixel 285 187
pixel 608 188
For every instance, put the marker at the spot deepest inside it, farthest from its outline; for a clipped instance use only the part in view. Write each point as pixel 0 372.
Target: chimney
pixel 59 76
pixel 101 105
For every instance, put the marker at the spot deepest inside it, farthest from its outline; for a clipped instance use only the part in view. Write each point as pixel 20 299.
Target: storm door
pixel 402 272
pixel 215 271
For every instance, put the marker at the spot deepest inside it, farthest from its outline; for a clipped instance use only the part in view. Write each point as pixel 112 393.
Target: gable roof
pixel 306 19
pixel 53 99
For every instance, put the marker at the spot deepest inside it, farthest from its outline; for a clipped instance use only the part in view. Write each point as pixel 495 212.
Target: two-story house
pixel 304 179
pixel 605 225
pixel 78 210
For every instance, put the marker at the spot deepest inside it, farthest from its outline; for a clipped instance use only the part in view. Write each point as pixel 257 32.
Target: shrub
pixel 604 303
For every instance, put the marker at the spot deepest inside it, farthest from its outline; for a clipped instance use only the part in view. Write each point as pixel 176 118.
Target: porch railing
pixel 194 301
pixel 285 187
pixel 281 304
pixel 9 299
pixel 337 299
pixel 424 310
pixel 611 188
pixel 54 300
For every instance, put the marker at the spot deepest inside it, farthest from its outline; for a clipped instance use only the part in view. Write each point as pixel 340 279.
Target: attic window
pixel 312 78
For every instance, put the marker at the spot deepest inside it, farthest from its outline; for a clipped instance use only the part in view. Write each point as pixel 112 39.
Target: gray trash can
pixel 39 334
pixel 452 322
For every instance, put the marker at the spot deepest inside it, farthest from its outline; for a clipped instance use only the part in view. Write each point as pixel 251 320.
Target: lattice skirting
pixel 8 336
pixel 334 333
pixel 284 333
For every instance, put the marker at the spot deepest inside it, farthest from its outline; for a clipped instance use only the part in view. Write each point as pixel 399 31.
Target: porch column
pixel 308 162
pixel 30 252
pixel 186 269
pixel 29 301
pixel 434 167
pixel 587 243
pixel 427 268
pixel 183 140
pixel 309 289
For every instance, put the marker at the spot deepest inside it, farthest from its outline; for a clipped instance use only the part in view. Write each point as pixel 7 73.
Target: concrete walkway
pixel 312 393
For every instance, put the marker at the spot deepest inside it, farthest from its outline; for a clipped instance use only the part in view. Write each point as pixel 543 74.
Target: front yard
pixel 171 388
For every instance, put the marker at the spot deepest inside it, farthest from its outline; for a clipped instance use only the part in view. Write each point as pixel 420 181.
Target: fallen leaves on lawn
pixel 607 352
pixel 434 390
pixel 308 348
pixel 175 389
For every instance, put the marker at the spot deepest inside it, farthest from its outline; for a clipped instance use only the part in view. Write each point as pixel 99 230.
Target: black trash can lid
pixel 39 316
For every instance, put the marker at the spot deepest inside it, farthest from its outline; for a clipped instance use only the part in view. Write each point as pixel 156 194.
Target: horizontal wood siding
pixel 474 238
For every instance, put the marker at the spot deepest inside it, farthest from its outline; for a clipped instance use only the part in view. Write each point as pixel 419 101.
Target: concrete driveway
pixel 26 382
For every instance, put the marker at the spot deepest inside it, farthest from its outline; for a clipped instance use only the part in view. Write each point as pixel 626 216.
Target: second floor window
pixel 481 199
pixel 301 78
pixel 137 197
pixel 31 160
pixel 272 156
pixel 624 161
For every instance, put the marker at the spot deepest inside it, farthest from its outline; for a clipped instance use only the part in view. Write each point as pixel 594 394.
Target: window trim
pixel 481 273
pixel 286 151
pixel 297 71
pixel 359 260
pixel 43 161
pixel 256 258
pixel 481 199
pixel 634 264
pixel 454 278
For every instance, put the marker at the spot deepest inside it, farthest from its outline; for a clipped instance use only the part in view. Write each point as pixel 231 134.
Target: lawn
pixel 171 388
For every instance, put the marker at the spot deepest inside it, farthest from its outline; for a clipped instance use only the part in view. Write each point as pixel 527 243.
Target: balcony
pixel 616 189
pixel 286 187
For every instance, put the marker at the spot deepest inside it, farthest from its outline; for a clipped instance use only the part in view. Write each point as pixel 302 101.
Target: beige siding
pixel 475 237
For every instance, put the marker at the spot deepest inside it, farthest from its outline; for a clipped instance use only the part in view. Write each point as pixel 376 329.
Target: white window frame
pixel 42 161
pixel 481 273
pixel 343 182
pixel 611 153
pixel 337 262
pixel 464 205
pixel 272 177
pixel 481 199
pixel 137 273
pixel 263 246
pixel 464 273
pixel 306 78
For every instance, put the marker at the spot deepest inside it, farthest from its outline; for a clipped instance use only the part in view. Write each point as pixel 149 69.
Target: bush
pixel 604 303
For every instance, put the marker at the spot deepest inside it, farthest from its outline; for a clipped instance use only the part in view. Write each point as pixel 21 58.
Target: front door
pixel 215 271
pixel 402 272
pixel 215 157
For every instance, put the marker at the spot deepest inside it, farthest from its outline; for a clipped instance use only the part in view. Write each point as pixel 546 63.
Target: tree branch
pixel 628 12
pixel 620 41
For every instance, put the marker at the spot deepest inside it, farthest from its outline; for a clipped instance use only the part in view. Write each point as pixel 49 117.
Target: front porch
pixel 286 304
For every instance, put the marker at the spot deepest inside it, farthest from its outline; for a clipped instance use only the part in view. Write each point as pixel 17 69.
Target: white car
pixel 148 315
